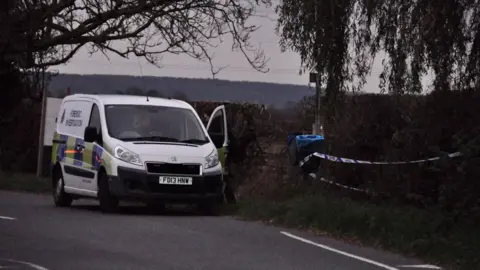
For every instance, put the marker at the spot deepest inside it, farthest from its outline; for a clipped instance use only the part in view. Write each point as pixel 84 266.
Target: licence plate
pixel 174 180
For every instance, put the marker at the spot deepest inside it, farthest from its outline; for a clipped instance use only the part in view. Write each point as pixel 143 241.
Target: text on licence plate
pixel 175 180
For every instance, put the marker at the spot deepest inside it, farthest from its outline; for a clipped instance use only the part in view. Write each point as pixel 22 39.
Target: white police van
pixel 153 150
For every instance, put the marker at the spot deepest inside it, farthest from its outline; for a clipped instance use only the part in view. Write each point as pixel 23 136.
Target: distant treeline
pixel 279 95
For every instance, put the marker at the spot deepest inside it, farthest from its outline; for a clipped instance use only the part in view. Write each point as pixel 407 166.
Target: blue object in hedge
pixel 299 146
pixel 304 140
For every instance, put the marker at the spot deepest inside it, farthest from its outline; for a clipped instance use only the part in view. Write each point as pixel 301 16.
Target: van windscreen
pixel 153 123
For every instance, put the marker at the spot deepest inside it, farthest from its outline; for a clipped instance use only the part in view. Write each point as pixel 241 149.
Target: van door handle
pixel 80 147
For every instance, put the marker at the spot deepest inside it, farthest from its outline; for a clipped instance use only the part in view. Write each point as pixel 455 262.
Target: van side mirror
pixel 90 135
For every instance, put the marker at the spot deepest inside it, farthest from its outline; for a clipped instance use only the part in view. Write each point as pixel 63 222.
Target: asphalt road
pixel 33 231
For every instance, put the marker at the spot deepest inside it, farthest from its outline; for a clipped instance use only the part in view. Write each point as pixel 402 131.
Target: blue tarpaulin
pixel 299 145
pixel 303 140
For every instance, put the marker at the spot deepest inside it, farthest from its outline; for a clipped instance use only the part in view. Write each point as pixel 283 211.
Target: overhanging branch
pixel 151 27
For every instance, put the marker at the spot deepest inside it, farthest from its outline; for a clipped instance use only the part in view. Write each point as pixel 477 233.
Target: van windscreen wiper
pixel 150 138
pixel 195 141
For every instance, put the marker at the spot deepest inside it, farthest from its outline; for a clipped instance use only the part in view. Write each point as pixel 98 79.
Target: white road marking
pixel 7 218
pixel 32 265
pixel 423 266
pixel 346 254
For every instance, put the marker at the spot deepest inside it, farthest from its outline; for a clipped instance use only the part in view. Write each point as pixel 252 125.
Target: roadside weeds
pixel 24 182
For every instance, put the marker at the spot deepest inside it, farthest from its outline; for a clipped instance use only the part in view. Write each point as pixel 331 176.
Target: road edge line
pixel 423 266
pixel 32 265
pixel 346 254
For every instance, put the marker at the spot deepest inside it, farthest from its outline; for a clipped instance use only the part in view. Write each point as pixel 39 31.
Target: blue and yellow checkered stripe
pixel 91 157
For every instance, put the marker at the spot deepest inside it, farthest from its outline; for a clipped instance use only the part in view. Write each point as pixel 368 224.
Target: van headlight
pixel 211 160
pixel 127 156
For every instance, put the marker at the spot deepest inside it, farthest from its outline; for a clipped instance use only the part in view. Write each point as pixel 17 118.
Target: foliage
pixel 319 31
pixel 24 182
pixel 416 36
pixel 19 143
pixel 247 123
pixel 45 32
pixel 408 128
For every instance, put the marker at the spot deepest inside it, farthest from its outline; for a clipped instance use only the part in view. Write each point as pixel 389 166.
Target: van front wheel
pixel 60 197
pixel 108 202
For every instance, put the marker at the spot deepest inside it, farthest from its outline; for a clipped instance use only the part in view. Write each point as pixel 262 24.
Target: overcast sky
pixel 284 67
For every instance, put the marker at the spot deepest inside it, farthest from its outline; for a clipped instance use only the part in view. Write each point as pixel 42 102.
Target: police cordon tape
pixel 309 141
pixel 354 161
pixel 314 176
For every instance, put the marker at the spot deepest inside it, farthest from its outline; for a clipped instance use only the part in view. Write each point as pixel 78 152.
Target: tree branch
pixel 151 28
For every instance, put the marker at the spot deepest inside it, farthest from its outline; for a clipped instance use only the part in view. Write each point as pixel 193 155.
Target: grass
pixel 24 182
pixel 427 235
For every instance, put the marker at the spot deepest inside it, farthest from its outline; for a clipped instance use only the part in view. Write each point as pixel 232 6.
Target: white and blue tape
pixel 355 161
pixel 321 179
pixel 305 140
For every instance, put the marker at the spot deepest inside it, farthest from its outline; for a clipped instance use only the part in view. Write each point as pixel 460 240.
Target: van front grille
pixel 177 169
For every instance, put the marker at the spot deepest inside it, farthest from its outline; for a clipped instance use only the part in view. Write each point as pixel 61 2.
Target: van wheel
pixel 108 202
pixel 60 197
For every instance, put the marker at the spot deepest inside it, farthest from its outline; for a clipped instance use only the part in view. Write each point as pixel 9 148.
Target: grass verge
pixel 419 233
pixel 24 182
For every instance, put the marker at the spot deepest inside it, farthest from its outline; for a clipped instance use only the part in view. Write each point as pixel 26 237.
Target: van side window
pixel 95 120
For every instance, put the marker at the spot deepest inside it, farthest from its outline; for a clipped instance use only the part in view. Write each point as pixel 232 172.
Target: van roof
pixel 134 100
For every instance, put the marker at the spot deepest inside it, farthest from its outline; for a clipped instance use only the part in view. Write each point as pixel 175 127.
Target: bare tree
pixel 57 29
